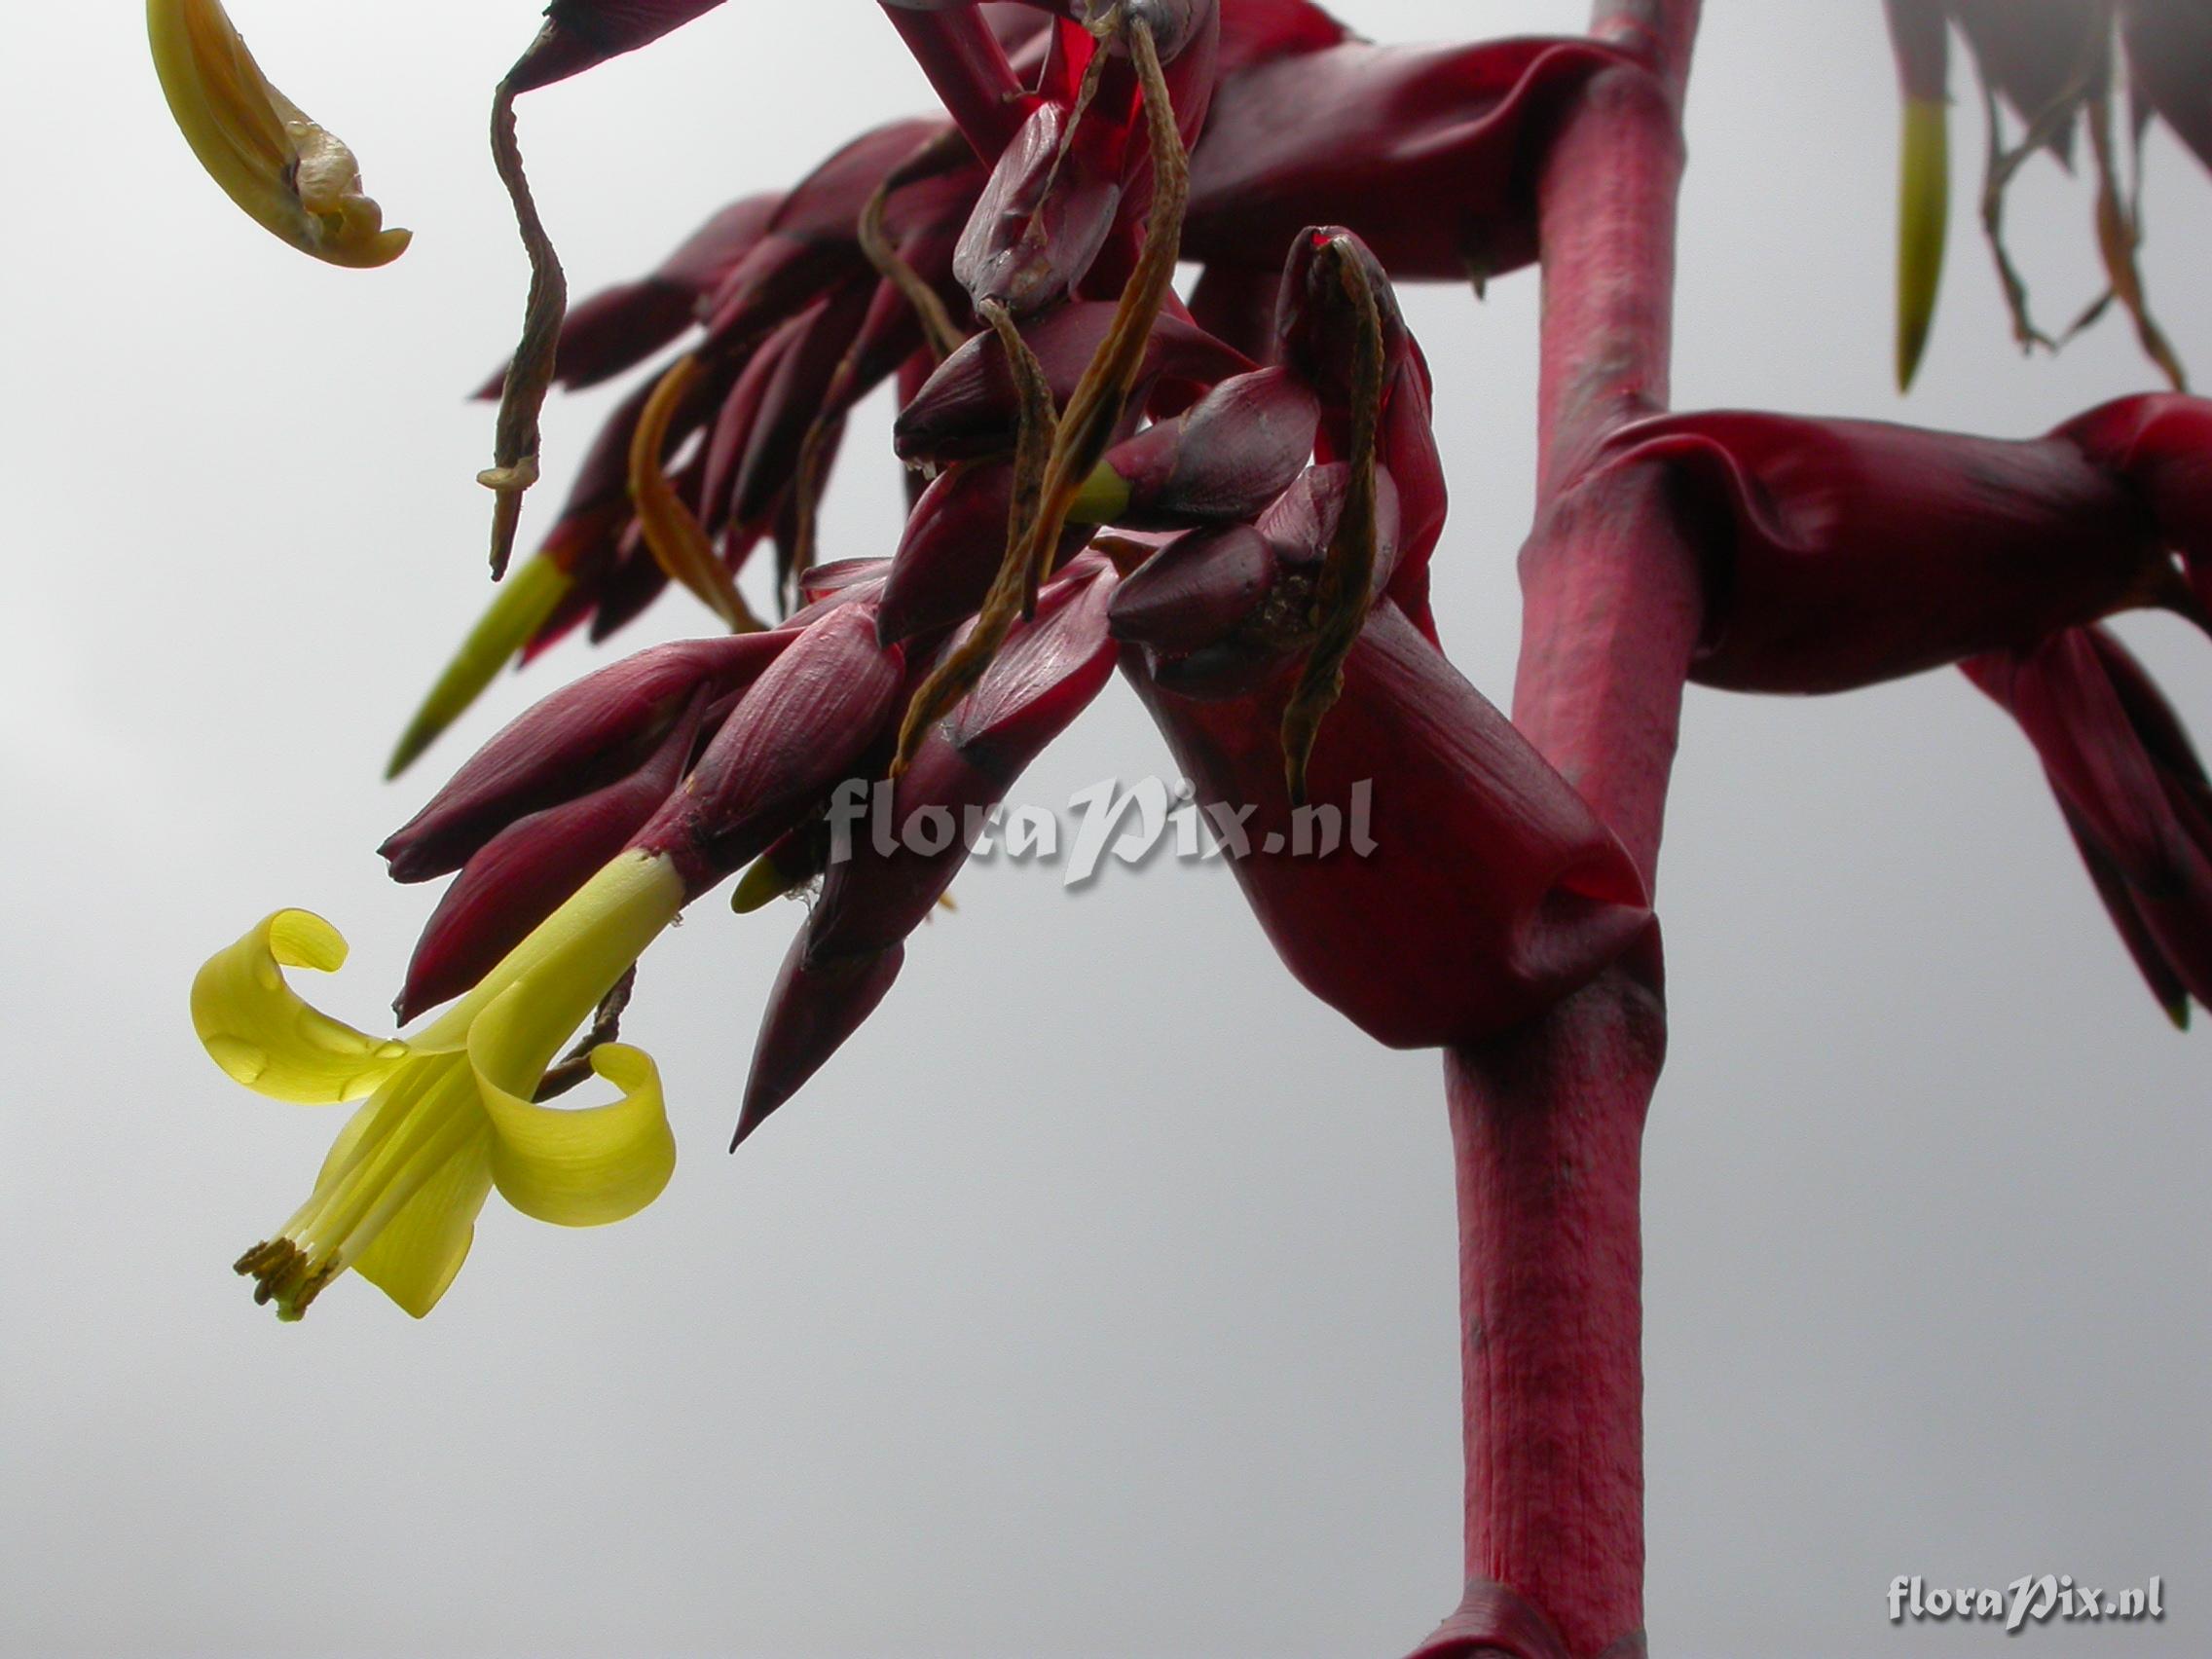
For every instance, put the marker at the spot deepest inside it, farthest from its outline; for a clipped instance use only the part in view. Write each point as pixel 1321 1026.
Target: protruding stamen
pixel 278 1268
pixel 264 1256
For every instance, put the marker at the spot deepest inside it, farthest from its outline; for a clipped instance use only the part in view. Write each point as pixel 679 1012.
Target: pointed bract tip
pixel 811 1013
pixel 764 881
pixel 518 610
pixel 1923 198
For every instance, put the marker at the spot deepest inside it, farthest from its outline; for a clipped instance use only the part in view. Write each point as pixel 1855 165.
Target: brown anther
pixel 298 1302
pixel 279 1269
pixel 263 1256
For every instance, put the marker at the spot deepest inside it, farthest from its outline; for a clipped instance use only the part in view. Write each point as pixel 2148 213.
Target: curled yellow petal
pixel 599 1163
pixel 452 1112
pixel 257 1028
pixel 577 1167
pixel 291 177
pixel 422 1121
pixel 422 1247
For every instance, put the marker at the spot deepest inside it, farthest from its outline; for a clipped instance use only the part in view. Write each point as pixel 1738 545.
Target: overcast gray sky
pixel 1098 1300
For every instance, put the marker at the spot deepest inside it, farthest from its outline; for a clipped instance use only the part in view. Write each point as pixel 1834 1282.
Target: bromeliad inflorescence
pixel 1272 494
pixel 1235 500
pixel 1233 496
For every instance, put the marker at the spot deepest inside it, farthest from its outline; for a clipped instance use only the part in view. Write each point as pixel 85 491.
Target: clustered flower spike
pixel 1233 500
pixel 795 306
pixel 2061 67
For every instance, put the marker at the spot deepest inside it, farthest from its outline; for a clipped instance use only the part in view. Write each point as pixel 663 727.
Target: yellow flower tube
pixel 449 1114
pixel 290 175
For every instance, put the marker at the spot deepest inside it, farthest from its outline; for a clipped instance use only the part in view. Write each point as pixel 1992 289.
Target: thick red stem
pixel 1547 1122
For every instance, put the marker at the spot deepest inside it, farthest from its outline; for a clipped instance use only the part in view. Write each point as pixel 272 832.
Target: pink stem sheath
pixel 1547 1121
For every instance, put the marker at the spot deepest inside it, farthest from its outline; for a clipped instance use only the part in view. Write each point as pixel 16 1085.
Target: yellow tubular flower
pixel 449 1114
pixel 294 178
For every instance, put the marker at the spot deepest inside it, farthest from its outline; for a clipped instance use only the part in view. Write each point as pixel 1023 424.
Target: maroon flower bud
pixel 1326 280
pixel 795 395
pixel 731 435
pixel 582 737
pixel 811 1012
pixel 1423 781
pixel 579 34
pixel 528 869
pixel 1221 460
pixel 878 891
pixel 813 241
pixel 1846 552
pixel 951 549
pixel 1193 654
pixel 1076 175
pixel 1195 591
pixel 969 407
pixel 2133 792
pixel 1320 320
pixel 796 730
pixel 1045 214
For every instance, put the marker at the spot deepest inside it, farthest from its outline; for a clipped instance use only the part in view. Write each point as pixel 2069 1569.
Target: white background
pixel 1098 1300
